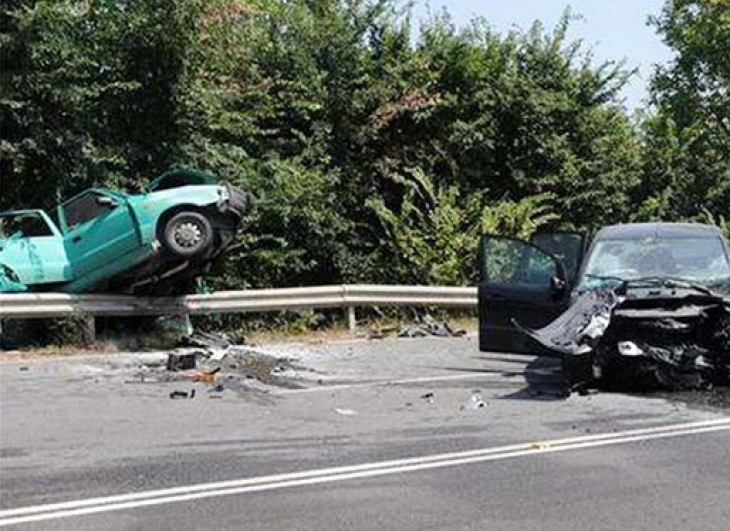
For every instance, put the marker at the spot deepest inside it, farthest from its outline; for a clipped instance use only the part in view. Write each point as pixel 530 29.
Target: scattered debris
pixel 219 364
pixel 208 377
pixel 345 412
pixel 218 356
pixel 181 361
pixel 432 327
pixel 428 397
pixel 411 332
pixel 207 340
pixel 475 401
pixel 182 394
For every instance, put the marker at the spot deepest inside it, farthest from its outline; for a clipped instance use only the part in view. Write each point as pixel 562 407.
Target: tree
pixel 688 138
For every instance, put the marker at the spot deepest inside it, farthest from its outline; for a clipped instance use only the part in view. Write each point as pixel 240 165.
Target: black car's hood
pixel 580 327
pixel 669 336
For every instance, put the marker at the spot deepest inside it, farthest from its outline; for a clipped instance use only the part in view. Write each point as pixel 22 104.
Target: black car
pixel 640 299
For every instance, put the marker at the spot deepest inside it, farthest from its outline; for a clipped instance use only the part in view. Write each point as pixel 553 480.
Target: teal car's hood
pixel 176 178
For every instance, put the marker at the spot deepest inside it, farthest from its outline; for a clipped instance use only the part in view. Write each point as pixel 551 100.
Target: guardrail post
pixel 351 318
pixel 89 329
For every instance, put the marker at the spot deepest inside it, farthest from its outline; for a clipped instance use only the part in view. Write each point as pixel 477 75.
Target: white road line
pixel 385 383
pixel 329 475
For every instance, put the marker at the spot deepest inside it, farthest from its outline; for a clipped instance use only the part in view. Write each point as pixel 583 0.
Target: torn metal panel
pixel 576 330
pixel 673 337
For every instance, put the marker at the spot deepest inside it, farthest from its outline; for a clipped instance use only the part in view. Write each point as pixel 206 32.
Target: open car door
pixel 523 282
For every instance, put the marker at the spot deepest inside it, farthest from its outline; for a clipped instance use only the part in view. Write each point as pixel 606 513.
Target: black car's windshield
pixel 700 261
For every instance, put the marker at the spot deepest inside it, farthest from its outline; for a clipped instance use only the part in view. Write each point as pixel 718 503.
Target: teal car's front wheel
pixel 187 234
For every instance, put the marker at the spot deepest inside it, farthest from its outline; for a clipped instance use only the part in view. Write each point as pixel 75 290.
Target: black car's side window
pixel 517 263
pixel 84 208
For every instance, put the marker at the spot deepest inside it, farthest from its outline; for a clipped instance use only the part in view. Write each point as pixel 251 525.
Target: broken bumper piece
pixel 671 339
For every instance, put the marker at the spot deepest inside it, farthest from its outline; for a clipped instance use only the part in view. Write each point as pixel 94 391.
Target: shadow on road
pixel 545 381
pixel 543 376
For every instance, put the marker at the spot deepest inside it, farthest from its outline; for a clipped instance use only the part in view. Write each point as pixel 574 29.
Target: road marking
pixel 384 383
pixel 329 475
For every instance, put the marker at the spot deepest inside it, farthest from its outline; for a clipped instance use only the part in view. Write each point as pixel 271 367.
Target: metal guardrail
pixel 35 305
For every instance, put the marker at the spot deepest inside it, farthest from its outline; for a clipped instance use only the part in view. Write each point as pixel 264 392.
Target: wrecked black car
pixel 644 307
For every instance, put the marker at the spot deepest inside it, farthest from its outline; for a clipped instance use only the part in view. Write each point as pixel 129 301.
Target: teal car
pixel 108 240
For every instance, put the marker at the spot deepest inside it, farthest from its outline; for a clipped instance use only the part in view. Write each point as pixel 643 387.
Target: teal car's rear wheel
pixel 187 234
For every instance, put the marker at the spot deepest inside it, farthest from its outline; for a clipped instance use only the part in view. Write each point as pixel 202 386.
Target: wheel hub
pixel 188 235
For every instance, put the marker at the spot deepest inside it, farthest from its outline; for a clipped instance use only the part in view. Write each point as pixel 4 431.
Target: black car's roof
pixel 639 231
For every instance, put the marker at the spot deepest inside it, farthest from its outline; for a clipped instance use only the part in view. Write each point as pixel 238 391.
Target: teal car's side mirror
pixel 106 201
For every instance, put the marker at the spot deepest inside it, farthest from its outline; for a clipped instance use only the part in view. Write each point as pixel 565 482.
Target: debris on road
pixel 428 397
pixel 430 327
pixel 219 364
pixel 182 394
pixel 181 361
pixel 207 340
pixel 475 401
pixel 208 377
pixel 345 412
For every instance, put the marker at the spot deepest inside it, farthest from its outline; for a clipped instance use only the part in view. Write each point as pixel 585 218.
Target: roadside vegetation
pixel 378 151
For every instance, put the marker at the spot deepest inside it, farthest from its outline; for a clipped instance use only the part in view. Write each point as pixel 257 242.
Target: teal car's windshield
pixel 701 261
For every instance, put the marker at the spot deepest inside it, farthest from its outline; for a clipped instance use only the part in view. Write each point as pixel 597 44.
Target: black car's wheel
pixel 187 234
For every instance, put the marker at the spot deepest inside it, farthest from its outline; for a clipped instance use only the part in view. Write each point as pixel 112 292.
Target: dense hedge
pixel 377 152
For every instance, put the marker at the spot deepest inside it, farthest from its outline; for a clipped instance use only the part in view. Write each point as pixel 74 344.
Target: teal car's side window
pixel 84 209
pixel 24 225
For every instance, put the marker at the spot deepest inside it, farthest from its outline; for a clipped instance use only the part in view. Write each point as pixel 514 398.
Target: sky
pixel 614 30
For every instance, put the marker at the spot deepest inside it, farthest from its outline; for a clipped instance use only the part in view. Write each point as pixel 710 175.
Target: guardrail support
pixel 351 319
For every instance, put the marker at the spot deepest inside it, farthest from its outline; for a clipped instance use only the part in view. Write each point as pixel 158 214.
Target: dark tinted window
pixel 515 263
pixel 28 224
pixel 566 246
pixel 83 209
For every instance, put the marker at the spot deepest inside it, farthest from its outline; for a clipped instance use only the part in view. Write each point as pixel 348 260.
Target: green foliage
pixel 518 219
pixel 434 233
pixel 375 154
pixel 687 169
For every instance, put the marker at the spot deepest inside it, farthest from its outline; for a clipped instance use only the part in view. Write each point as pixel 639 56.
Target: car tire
pixel 187 234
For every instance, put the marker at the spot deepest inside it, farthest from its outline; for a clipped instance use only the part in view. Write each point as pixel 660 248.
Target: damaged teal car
pixel 109 240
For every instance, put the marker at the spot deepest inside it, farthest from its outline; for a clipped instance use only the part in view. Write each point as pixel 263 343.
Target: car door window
pixel 24 225
pixel 84 208
pixel 516 263
pixel 568 247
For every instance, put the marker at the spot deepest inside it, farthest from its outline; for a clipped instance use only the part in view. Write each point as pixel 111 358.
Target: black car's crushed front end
pixel 672 336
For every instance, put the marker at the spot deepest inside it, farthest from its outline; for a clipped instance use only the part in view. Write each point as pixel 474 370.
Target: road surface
pixel 396 434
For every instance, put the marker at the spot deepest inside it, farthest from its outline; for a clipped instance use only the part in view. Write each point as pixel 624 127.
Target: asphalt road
pixel 360 435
